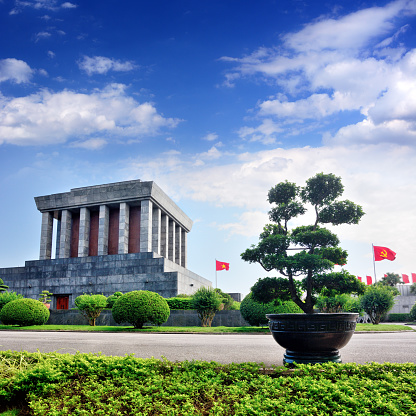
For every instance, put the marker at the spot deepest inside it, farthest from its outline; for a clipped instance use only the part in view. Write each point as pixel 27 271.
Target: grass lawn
pixel 189 329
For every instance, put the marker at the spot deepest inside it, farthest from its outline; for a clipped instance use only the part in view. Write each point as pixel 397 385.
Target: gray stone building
pixel 116 237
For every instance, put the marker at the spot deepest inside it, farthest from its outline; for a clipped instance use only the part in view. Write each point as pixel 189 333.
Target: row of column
pixel 158 233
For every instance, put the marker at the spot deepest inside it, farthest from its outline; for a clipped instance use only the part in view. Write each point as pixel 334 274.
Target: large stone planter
pixel 312 338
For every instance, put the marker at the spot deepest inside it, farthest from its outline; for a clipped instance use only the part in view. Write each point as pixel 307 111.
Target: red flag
pixel 413 277
pixel 220 265
pixel 369 280
pixel 405 278
pixel 360 278
pixel 383 253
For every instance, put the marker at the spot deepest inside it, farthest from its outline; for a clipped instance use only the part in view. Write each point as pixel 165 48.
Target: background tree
pixel 316 248
pixel 391 279
pixel 377 301
pixel 207 302
pixel 413 289
pixel 91 306
pixel 3 287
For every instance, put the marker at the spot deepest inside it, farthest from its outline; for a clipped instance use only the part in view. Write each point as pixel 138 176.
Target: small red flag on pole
pixel 369 280
pixel 413 277
pixel 220 265
pixel 360 278
pixel 405 278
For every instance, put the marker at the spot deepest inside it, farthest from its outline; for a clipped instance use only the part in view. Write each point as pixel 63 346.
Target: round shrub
pixel 412 313
pixel 6 297
pixel 112 298
pixel 139 307
pixel 255 312
pixel 24 312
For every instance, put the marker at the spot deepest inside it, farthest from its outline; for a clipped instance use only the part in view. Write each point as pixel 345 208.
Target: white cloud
pixel 210 137
pixel 68 5
pixel 90 144
pixel 101 65
pixel 47 117
pixel 42 35
pixel 352 63
pixel 12 69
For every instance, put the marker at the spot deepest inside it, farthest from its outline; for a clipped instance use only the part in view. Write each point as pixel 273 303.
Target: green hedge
pixel 92 384
pixel 179 303
pixel 398 317
pixel 24 312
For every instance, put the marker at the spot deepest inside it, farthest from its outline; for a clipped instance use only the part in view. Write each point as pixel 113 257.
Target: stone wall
pixel 176 318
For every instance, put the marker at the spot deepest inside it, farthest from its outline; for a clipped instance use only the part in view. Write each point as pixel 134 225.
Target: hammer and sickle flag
pixel 220 265
pixel 383 253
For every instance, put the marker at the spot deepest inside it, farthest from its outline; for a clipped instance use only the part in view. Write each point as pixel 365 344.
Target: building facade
pixel 101 239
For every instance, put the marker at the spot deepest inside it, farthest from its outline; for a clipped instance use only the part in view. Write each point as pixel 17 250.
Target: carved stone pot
pixel 312 338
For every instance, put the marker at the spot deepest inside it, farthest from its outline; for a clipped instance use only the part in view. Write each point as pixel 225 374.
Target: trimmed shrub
pixel 226 299
pixel 179 303
pixel 398 317
pixel 139 307
pixel 412 313
pixel 255 312
pixel 377 301
pixel 6 297
pixel 24 312
pixel 338 303
pixel 112 298
pixel 91 306
pixel 207 302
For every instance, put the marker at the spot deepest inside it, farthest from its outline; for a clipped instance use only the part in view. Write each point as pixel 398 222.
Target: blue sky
pixel 216 101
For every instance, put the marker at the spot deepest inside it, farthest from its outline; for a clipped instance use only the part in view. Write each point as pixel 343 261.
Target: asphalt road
pixel 397 347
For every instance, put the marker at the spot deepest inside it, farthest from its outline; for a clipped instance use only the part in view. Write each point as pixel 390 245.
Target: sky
pixel 217 102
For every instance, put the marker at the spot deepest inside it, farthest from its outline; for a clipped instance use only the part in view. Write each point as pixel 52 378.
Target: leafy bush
pixel 3 287
pixel 180 303
pixel 91 306
pixel 377 301
pixel 413 289
pixel 207 302
pixel 255 312
pixel 112 298
pixel 338 303
pixel 412 313
pixel 24 312
pixel 226 299
pixel 399 317
pixel 139 307
pixel 89 384
pixel 6 297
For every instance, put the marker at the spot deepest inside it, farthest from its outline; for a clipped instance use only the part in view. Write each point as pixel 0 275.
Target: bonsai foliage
pixel 24 312
pixel 139 307
pixel 377 301
pixel 45 296
pixel 309 252
pixel 391 279
pixel 91 306
pixel 206 301
pixel 3 287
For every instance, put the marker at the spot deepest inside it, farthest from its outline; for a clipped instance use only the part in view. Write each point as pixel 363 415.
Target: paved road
pixel 379 347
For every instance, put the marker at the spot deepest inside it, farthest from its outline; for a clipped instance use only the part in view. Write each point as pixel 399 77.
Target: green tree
pixel 391 279
pixel 376 302
pixel 226 299
pixel 207 302
pixel 112 298
pixel 91 306
pixel 413 289
pixel 315 248
pixel 412 313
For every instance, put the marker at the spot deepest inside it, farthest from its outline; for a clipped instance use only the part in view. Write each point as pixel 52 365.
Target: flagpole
pixel 374 264
pixel 216 273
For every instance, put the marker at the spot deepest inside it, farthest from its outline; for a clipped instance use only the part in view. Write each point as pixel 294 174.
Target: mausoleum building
pixel 101 239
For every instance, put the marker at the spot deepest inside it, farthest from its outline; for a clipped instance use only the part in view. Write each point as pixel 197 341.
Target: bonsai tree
pixel 309 251
pixel 3 287
pixel 376 302
pixel 206 301
pixel 45 296
pixel 91 306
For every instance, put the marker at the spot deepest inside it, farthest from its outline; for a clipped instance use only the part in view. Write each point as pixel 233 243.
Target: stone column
pixel 58 237
pixel 164 240
pixel 84 232
pixel 184 248
pixel 103 221
pixel 65 238
pixel 146 211
pixel 46 236
pixel 178 244
pixel 123 229
pixel 171 250
pixel 156 229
